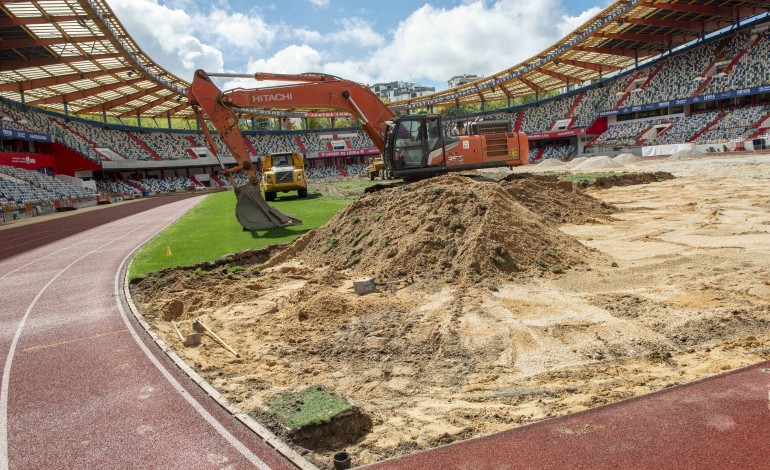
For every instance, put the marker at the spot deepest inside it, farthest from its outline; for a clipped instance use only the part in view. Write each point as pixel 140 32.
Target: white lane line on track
pixel 59 251
pixel 210 419
pixel 12 351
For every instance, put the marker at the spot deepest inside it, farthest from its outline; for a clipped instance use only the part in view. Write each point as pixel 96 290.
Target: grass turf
pixel 306 408
pixel 210 231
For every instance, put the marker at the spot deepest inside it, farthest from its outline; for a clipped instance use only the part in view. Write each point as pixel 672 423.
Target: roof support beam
pixel 80 94
pixel 714 10
pixel 16 64
pixel 5 22
pixel 654 38
pixel 146 107
pixel 532 85
pixel 119 101
pixel 558 76
pixel 175 110
pixel 21 43
pixel 588 65
pixel 27 85
pixel 698 26
pixel 619 52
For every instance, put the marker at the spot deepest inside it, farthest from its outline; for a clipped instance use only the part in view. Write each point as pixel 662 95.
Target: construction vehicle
pixel 375 168
pixel 413 146
pixel 283 172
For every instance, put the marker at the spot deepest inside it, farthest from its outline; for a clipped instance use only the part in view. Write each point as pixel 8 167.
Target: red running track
pixel 719 423
pixel 81 386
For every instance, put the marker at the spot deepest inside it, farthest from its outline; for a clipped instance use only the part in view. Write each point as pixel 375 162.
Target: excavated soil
pixel 532 298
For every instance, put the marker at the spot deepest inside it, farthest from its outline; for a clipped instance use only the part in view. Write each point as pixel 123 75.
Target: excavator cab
pixel 414 143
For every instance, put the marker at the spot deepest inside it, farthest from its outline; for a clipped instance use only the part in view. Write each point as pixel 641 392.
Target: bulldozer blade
pixel 254 213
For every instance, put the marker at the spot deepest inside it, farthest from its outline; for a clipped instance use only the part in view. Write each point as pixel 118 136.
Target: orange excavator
pixel 412 146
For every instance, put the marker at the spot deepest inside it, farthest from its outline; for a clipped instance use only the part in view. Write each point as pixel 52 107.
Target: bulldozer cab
pixel 412 140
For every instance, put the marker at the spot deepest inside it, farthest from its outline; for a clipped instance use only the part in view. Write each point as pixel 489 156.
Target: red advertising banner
pixel 348 153
pixel 27 161
pixel 556 134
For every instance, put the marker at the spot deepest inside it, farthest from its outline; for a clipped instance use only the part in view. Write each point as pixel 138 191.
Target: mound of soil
pixel 630 179
pixel 452 227
pixel 626 158
pixel 598 163
pixel 551 162
pixel 577 161
pixel 687 154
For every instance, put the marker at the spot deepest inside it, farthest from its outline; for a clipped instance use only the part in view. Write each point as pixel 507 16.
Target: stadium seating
pixel 734 127
pixel 541 117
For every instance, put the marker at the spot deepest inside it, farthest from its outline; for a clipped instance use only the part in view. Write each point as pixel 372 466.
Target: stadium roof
pixel 77 52
pixel 613 40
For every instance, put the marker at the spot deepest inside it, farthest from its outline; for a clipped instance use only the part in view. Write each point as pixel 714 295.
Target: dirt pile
pixel 687 155
pixel 598 163
pixel 452 228
pixel 624 158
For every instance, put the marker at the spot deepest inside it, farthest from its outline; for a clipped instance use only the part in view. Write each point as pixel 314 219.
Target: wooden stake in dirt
pixel 178 333
pixel 199 326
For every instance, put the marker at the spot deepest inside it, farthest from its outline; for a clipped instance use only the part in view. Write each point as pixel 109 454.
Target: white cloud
pixel 166 35
pixel 476 37
pixel 247 32
pixel 320 3
pixel 571 23
pixel 292 60
pixel 356 32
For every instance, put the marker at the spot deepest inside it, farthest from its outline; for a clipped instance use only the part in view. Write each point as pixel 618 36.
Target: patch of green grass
pixel 557 269
pixel 589 177
pixel 361 236
pixel 437 190
pixel 210 230
pixel 329 244
pixel 494 287
pixel 378 216
pixel 306 408
pixel 499 260
pixel 354 220
pixel 384 242
pixel 477 278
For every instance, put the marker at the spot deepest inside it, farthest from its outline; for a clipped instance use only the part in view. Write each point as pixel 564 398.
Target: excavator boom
pixel 314 91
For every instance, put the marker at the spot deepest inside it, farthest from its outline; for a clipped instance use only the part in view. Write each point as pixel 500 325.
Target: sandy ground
pixel 673 286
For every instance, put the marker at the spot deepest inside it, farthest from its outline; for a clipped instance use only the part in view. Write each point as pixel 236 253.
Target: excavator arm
pixel 313 91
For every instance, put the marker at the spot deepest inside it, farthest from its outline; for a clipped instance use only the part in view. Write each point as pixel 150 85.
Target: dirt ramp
pixel 449 227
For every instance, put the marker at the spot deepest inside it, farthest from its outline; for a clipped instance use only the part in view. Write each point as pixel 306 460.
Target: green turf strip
pixel 306 408
pixel 210 230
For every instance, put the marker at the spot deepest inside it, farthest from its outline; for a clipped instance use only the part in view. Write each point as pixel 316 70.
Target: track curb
pixel 265 434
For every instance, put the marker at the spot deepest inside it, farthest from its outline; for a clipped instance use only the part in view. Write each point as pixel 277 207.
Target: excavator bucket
pixel 254 213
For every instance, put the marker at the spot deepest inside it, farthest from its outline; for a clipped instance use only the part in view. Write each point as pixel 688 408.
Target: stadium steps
pixel 742 53
pixel 74 132
pixel 708 128
pixel 193 143
pixel 250 147
pixel 143 145
pixel 573 108
pixel 719 54
pixel 519 121
pixel 196 182
pixel 539 154
pixel 217 181
pixel 342 171
pixel 301 145
pixel 626 93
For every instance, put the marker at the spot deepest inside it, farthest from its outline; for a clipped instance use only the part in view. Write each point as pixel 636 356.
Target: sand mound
pixel 449 227
pixel 687 154
pixel 551 162
pixel 577 161
pixel 626 158
pixel 598 163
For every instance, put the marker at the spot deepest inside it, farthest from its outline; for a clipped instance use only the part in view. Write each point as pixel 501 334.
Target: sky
pixel 426 42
